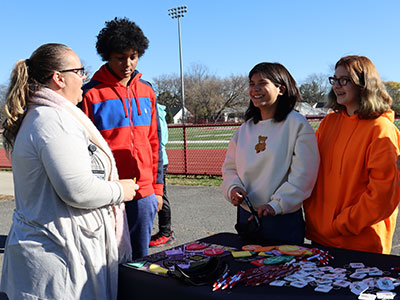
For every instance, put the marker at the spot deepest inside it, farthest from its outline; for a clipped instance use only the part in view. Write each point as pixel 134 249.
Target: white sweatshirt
pixel 284 170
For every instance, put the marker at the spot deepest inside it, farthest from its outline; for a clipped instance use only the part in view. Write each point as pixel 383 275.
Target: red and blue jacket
pixel 127 118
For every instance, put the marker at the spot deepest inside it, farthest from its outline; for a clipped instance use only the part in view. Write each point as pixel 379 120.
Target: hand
pixel 160 202
pixel 129 187
pixel 265 210
pixel 237 194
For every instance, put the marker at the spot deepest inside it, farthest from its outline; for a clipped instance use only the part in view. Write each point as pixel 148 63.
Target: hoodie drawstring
pixel 122 100
pixel 135 93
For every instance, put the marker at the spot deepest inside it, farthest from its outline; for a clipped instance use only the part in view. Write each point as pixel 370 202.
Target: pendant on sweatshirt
pixel 261 143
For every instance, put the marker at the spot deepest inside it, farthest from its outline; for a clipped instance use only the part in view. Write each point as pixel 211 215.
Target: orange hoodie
pixel 354 202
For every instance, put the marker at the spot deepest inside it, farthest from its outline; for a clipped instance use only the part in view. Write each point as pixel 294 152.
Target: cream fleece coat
pixel 61 244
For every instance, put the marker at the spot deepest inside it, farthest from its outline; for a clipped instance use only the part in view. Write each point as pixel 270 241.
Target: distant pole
pixel 177 13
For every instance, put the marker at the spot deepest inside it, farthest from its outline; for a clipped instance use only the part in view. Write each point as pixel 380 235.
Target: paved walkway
pixel 6 183
pixel 197 212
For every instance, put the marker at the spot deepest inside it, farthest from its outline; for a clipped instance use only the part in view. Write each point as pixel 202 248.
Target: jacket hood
pixel 105 76
pixel 387 114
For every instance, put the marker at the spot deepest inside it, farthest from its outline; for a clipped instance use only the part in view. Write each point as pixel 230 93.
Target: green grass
pixel 201 137
pixel 212 137
pixel 194 180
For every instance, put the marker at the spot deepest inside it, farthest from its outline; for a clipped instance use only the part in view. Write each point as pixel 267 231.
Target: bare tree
pixel 3 91
pixel 234 93
pixel 201 92
pixel 167 89
pixel 315 88
pixel 393 88
pixel 206 95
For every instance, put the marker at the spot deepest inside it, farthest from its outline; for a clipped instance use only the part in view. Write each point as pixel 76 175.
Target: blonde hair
pixel 374 99
pixel 27 77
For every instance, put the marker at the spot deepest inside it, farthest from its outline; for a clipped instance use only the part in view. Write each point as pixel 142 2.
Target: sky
pixel 228 37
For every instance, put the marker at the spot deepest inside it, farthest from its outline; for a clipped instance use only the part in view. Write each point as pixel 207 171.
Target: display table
pixel 137 284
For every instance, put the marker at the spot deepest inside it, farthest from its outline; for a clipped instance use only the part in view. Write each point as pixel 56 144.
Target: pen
pixel 218 286
pixel 312 257
pixel 236 280
pixel 227 282
pixel 221 278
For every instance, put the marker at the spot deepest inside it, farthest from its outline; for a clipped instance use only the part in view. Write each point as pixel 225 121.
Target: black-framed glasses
pixel 342 80
pixel 79 71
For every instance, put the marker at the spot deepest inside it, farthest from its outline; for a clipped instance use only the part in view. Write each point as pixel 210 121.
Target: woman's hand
pixel 129 187
pixel 237 194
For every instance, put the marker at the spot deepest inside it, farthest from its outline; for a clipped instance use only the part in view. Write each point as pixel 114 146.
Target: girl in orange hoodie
pixel 354 202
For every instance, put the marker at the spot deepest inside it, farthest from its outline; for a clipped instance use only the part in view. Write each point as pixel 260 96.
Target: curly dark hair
pixel 118 36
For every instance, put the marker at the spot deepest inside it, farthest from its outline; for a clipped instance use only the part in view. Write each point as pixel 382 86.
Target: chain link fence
pixel 194 149
pixel 201 149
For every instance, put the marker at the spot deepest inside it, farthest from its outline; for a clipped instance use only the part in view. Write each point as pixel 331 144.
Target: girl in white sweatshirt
pixel 273 157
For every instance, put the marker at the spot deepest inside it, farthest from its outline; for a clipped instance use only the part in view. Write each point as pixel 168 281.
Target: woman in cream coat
pixel 62 242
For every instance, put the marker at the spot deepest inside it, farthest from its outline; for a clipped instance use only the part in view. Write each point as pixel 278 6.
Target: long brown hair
pixel 374 99
pixel 27 77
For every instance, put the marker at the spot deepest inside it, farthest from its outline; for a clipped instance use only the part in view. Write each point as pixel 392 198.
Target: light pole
pixel 177 13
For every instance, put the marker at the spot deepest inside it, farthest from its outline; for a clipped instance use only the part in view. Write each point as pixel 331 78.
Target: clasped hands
pixel 237 197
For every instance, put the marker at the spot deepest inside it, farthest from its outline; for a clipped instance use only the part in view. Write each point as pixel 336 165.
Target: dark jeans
pixel 289 228
pixel 141 215
pixel 164 215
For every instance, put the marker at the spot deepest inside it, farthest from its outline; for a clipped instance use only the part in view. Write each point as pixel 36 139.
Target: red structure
pixel 199 161
pixel 188 151
pixel 4 162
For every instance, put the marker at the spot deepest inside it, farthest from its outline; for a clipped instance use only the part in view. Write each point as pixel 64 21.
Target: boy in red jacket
pixel 123 108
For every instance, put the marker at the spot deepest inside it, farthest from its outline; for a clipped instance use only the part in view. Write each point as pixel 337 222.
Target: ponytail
pixel 15 104
pixel 27 77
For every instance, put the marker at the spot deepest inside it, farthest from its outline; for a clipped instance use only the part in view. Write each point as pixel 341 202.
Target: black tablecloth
pixel 136 284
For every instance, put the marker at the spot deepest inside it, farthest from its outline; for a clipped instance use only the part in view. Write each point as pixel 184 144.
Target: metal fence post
pixel 185 149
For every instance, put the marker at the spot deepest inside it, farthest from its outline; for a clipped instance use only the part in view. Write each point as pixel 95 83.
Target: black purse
pixel 248 230
pixel 204 274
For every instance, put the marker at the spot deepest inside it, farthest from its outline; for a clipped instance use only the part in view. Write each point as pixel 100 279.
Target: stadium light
pixel 177 13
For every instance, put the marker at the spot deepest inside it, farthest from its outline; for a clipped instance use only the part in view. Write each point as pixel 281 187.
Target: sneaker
pixel 160 240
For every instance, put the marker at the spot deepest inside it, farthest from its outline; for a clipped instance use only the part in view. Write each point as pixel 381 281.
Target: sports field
pixel 201 137
pixel 206 148
pixel 212 137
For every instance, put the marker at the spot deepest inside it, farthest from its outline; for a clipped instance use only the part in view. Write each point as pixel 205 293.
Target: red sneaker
pixel 159 240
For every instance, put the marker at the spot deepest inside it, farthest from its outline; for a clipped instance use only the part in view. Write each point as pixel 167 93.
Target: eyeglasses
pixel 342 80
pixel 79 71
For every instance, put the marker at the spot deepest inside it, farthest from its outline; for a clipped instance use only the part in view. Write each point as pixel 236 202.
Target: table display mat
pixel 280 266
